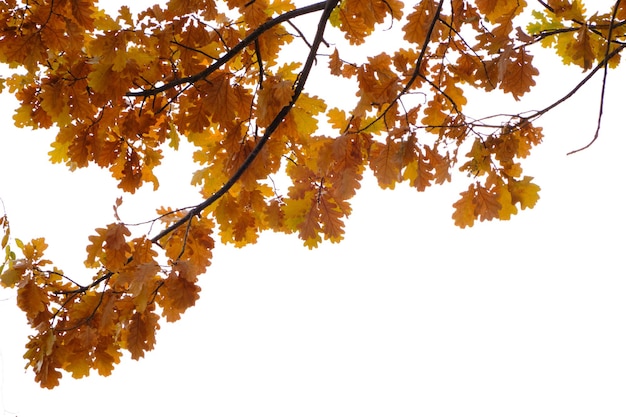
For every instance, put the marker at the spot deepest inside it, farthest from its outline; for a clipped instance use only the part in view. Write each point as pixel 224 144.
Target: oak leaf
pixel 334 63
pixel 140 334
pixel 487 206
pixel 583 50
pixel 419 21
pixel 116 249
pixel 33 300
pixel 105 356
pixel 179 290
pixel 524 192
pixel 386 162
pixel 518 73
pixel 495 9
pixel 464 208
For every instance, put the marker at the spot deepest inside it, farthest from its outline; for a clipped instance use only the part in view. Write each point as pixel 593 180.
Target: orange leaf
pixel 518 73
pixel 47 373
pixel 582 49
pixel 419 172
pixel 95 250
pixel 106 355
pixel 115 248
pixel 495 9
pixel 39 356
pixel 386 162
pixel 419 22
pixel 141 331
pixel 487 206
pixel 32 299
pixel 179 290
pixel 330 218
pixel 335 63
pixel 464 208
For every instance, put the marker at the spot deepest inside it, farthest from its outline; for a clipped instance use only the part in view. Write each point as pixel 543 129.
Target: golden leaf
pixel 464 208
pixel 495 9
pixel 524 192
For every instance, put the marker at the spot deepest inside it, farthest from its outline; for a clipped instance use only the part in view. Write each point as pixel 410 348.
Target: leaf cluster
pixel 231 79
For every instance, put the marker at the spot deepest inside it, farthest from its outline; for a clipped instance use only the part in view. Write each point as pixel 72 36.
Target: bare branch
pixel 604 76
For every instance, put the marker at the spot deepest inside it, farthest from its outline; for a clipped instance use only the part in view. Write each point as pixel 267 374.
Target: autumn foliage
pixel 230 77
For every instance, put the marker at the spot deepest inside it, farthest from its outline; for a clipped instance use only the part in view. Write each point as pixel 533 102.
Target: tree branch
pixel 327 8
pixel 329 5
pixel 416 72
pixel 232 52
pixel 604 76
pixel 584 81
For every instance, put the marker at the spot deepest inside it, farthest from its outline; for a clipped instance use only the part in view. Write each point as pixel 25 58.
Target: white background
pixel 408 316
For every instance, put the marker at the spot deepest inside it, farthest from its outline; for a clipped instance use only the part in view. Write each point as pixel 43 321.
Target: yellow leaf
pixel 10 277
pixel 480 161
pixel 354 28
pixel 274 95
pixel 337 118
pixel 304 114
pixel 524 192
pixel 504 199
pixel 302 215
pixel 172 134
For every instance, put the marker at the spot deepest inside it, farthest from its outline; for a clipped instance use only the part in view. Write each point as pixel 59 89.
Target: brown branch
pixel 604 76
pixel 584 81
pixel 231 53
pixel 328 6
pixel 257 51
pixel 416 73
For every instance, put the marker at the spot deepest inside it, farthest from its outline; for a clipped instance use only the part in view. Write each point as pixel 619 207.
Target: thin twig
pixel 584 81
pixel 604 76
pixel 416 73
